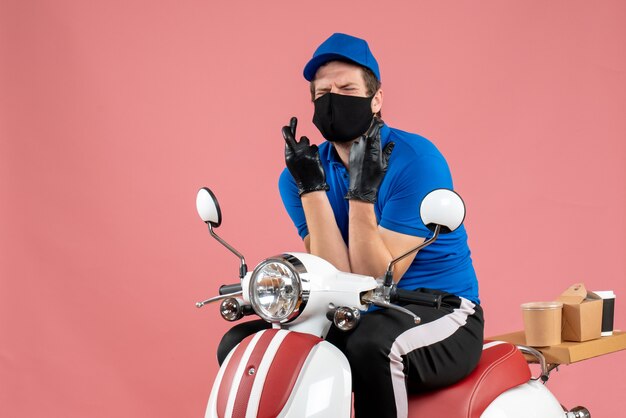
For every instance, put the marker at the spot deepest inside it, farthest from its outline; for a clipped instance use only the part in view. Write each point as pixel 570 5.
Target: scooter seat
pixel 501 367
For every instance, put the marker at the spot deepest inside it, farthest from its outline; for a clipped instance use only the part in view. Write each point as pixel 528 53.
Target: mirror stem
pixel 389 273
pixel 243 268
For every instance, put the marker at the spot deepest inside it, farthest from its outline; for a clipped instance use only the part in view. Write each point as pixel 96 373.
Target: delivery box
pixel 582 314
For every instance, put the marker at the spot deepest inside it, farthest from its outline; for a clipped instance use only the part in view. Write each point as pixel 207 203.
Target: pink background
pixel 113 114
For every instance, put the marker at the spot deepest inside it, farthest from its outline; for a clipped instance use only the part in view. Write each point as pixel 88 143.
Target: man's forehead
pixel 338 72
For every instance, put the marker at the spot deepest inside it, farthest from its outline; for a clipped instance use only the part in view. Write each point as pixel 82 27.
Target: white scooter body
pixel 530 400
pixel 322 385
pixel 323 389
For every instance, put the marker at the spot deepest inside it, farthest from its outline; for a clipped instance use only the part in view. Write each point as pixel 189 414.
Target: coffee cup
pixel 542 323
pixel 608 311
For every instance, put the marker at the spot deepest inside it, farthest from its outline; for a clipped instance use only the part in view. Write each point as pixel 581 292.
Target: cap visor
pixel 310 69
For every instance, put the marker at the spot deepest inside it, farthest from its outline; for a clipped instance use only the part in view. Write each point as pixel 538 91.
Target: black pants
pixel 389 355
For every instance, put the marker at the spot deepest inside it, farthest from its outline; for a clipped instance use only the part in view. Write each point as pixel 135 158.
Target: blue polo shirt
pixel 415 168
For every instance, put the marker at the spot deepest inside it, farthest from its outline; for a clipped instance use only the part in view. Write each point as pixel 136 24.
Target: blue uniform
pixel 415 168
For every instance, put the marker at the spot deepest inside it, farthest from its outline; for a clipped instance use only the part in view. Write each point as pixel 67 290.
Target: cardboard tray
pixel 568 351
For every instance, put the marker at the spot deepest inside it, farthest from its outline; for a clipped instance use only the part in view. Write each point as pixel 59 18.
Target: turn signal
pixel 346 318
pixel 231 309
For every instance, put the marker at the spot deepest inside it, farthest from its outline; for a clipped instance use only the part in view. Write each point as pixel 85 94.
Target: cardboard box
pixel 582 314
pixel 571 352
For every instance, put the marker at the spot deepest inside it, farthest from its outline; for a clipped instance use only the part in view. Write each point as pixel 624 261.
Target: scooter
pixel 291 371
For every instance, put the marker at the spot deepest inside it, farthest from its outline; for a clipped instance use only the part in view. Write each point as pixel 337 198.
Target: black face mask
pixel 342 118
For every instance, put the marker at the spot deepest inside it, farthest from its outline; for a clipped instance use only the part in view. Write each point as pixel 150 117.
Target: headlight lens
pixel 275 290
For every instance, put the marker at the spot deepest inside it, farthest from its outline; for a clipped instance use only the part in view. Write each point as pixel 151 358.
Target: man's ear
pixel 377 101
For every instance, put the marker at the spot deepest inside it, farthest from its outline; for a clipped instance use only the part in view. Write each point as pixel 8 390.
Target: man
pixel 355 202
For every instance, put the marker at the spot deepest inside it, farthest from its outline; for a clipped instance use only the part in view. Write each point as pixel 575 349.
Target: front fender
pixel 281 373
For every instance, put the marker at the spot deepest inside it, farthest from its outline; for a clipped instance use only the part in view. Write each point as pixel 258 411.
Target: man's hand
pixel 368 164
pixel 303 161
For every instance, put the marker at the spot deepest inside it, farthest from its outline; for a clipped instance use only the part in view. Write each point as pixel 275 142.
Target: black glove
pixel 368 164
pixel 303 161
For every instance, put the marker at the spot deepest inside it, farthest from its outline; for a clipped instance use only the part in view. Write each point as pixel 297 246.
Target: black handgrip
pixel 226 289
pixel 415 297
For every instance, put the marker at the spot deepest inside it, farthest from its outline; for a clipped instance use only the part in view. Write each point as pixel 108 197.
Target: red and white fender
pixel 280 373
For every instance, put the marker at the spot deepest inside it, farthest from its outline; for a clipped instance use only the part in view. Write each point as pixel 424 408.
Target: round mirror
pixel 208 208
pixel 442 207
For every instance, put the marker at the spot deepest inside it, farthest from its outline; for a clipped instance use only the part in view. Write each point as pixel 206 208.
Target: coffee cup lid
pixel 605 294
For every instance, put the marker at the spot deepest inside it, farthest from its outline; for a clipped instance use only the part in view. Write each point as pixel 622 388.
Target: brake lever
pixel 216 298
pixel 371 298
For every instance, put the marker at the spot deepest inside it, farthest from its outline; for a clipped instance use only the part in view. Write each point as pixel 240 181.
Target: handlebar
pixel 418 298
pixel 226 289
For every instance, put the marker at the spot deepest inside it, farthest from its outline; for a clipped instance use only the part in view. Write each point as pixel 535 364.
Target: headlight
pixel 276 292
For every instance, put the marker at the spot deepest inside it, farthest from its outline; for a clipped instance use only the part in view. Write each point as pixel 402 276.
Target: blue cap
pixel 342 47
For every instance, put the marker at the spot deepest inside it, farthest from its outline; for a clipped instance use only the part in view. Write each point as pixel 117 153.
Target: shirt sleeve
pixel 292 202
pixel 409 183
